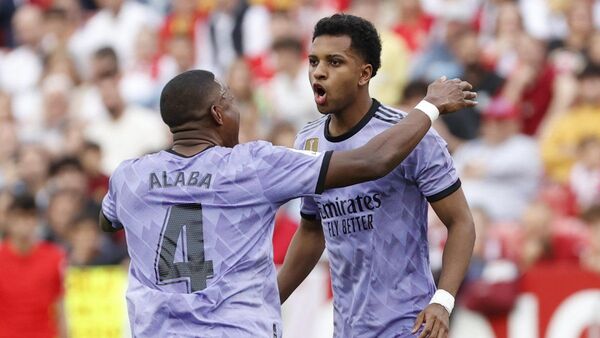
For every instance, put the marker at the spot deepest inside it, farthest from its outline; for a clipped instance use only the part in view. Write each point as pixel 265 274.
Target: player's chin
pixel 325 108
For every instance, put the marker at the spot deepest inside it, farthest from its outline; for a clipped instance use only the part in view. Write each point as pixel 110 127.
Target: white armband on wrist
pixel 444 298
pixel 429 109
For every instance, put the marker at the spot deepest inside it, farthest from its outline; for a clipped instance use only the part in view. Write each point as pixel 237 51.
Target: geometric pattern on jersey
pixel 376 232
pixel 199 233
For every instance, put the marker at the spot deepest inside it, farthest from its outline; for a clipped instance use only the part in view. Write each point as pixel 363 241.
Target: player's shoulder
pixel 252 150
pixel 313 126
pixel 134 166
pixel 389 115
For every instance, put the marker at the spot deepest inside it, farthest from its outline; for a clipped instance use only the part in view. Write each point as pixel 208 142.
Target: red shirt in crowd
pixel 536 100
pixel 30 286
pixel 415 35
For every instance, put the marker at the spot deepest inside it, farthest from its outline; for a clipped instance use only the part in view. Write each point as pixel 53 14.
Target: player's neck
pixel 189 143
pixel 343 121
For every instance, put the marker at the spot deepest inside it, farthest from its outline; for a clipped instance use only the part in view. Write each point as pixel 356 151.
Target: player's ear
pixel 365 74
pixel 216 112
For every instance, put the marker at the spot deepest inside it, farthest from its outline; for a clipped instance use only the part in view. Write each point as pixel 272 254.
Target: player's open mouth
pixel 320 94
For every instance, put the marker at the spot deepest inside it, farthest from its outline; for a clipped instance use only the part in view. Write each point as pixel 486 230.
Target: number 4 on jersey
pixel 194 270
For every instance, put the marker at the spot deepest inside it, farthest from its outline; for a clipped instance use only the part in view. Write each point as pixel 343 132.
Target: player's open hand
pixel 450 95
pixel 435 318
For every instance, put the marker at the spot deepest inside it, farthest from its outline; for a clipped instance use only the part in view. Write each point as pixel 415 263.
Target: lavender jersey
pixel 199 232
pixel 376 232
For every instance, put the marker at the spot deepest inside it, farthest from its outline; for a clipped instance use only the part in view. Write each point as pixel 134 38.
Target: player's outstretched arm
pixel 384 152
pixel 303 254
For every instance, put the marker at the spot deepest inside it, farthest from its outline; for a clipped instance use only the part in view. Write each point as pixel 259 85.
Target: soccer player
pixel 199 217
pixel 376 232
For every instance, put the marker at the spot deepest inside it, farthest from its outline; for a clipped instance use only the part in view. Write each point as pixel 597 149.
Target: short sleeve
pixel 309 209
pixel 435 173
pixel 286 173
pixel 308 206
pixel 109 202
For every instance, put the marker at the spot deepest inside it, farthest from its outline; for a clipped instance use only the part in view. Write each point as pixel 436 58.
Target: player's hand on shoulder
pixel 450 95
pixel 435 321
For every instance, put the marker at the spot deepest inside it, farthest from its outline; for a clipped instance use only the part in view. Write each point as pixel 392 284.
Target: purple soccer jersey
pixel 199 232
pixel 376 232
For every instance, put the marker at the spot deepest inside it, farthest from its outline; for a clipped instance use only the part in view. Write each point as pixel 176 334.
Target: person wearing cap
pixel 501 169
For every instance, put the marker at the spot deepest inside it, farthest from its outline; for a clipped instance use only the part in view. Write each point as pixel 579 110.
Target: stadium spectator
pixel 559 144
pixel 87 246
pixel 184 19
pixel 590 259
pixel 63 208
pixel 235 29
pixel 254 121
pixel 289 97
pixel 549 239
pixel 413 24
pixel 140 83
pixel 491 284
pixel 117 24
pixel 115 135
pixel 501 170
pixel 21 68
pixel 32 163
pixel 438 59
pixel 90 158
pixel 530 83
pixel 179 57
pixel 464 125
pixel 87 105
pixel 501 37
pixel 585 174
pixel 31 302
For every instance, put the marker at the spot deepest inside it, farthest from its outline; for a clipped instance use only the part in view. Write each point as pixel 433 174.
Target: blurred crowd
pixel 80 83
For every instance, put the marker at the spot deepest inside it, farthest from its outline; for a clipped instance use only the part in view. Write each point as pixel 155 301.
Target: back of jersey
pixel 199 235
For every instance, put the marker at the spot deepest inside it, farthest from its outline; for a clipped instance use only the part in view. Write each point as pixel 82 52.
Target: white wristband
pixel 444 298
pixel 429 109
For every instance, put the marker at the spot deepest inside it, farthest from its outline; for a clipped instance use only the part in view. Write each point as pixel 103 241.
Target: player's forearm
pixel 457 255
pixel 389 148
pixel 303 254
pixel 379 156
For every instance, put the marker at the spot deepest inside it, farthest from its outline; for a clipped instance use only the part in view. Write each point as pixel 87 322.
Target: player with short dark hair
pixel 376 232
pixel 199 217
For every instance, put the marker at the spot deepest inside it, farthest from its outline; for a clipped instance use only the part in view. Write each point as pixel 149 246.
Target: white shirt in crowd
pixel 512 172
pixel 120 32
pixel 137 132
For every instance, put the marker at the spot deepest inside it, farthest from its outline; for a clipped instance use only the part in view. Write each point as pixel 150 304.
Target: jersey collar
pixel 363 122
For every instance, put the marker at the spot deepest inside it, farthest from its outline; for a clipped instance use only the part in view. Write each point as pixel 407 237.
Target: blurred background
pixel 79 90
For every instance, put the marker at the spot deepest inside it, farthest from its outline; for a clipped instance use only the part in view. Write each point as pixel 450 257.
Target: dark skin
pixel 343 75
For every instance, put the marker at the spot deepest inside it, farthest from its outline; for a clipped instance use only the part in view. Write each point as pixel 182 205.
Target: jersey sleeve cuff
pixel 445 193
pixel 309 217
pixel 323 173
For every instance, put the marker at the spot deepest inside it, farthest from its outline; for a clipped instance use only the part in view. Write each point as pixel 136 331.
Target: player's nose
pixel 320 71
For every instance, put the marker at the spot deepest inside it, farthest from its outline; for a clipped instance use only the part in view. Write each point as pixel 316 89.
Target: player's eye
pixel 335 62
pixel 313 62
